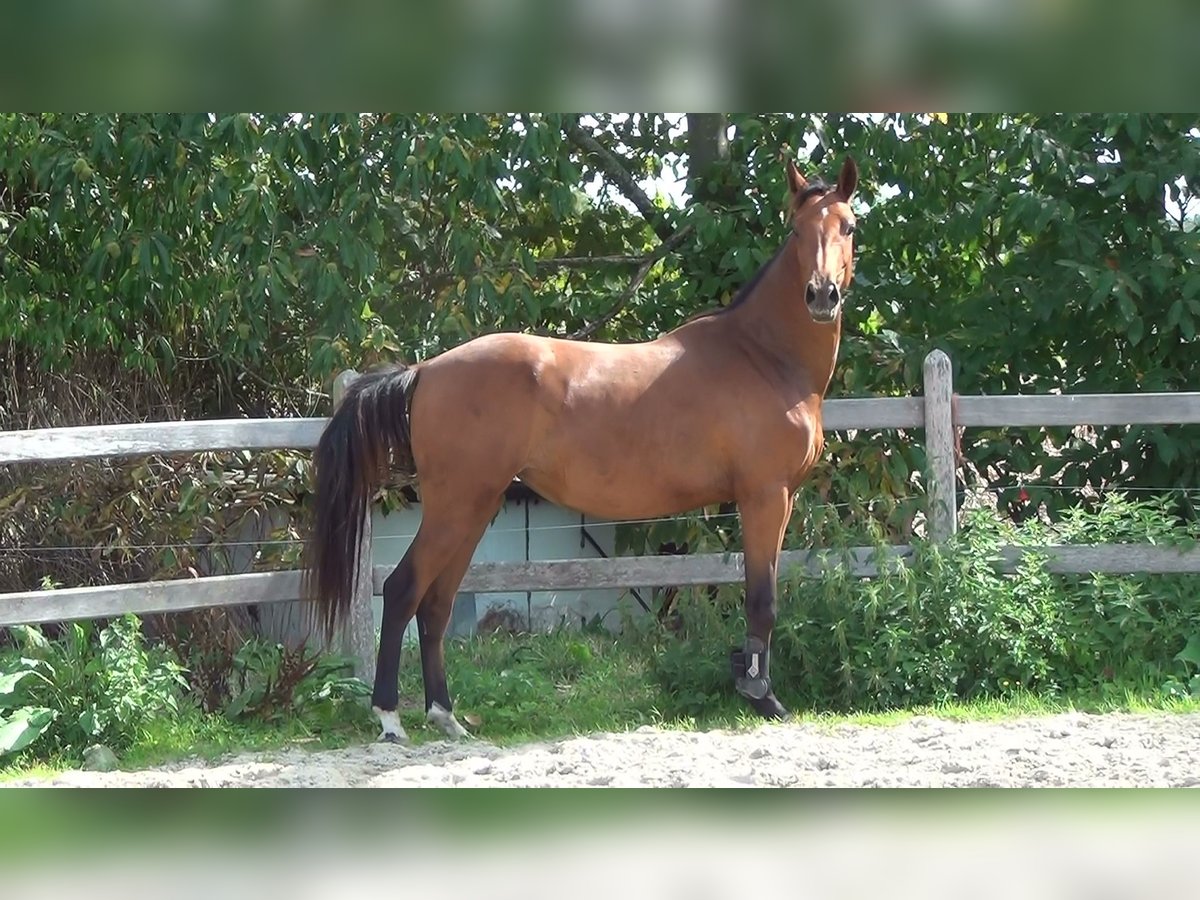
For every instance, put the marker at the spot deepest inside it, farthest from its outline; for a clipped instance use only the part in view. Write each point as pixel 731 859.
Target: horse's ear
pixel 848 179
pixel 796 182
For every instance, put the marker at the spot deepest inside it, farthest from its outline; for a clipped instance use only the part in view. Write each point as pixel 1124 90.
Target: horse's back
pixel 585 424
pixel 609 429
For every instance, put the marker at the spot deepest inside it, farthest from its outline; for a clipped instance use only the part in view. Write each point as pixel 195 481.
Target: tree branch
pixel 444 277
pixel 586 262
pixel 708 152
pixel 610 165
pixel 672 241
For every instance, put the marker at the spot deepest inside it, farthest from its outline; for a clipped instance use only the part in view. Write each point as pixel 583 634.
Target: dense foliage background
pixel 165 266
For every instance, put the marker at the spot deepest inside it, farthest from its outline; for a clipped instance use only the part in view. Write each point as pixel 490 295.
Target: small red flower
pixel 1023 495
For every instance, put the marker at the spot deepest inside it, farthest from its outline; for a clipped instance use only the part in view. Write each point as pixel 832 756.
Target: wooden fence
pixel 938 412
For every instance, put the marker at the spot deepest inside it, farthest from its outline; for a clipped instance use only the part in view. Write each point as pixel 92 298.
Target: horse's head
pixel 823 225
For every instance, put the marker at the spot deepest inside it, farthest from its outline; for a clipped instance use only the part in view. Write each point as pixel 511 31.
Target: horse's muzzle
pixel 824 300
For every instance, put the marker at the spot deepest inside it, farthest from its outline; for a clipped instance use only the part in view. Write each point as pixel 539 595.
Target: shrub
pixel 944 625
pixel 85 687
pixel 271 682
pixel 109 686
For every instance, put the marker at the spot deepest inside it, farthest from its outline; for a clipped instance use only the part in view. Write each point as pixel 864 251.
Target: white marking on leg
pixel 444 719
pixel 392 729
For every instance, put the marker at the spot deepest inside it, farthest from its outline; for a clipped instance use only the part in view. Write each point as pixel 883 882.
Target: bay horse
pixel 727 407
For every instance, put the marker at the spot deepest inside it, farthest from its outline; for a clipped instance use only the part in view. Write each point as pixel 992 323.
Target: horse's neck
pixel 775 318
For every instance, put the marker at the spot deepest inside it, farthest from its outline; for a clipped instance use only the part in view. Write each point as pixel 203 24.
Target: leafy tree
pixel 1041 252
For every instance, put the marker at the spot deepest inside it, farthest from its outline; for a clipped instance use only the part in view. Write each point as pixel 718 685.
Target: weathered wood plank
pixel 939 446
pixel 719 568
pixel 630 571
pixel 1109 559
pixel 873 412
pixel 1080 409
pixel 90 442
pixel 137 439
pixel 141 438
pixel 151 597
pixel 648 571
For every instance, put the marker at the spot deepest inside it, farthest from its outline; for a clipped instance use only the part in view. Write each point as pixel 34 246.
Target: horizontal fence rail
pixel 1079 409
pixel 728 568
pixel 68 604
pixel 111 441
pixel 873 412
pixel 114 441
pixel 141 439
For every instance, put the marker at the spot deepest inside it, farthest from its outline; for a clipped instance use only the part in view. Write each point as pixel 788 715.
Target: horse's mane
pixel 815 188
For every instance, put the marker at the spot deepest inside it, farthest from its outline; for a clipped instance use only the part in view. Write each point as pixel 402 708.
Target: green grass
pixel 515 689
pixel 213 737
pixel 528 687
pixel 194 735
pixel 1021 705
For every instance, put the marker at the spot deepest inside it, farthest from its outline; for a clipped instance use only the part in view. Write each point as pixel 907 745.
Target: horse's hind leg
pixel 402 592
pixel 433 616
pixel 764 518
pixel 445 526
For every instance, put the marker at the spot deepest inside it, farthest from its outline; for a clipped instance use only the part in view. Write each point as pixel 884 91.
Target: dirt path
pixel 1063 750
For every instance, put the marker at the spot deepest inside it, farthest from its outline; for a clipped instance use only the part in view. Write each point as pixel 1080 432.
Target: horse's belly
pixel 624 501
pixel 628 476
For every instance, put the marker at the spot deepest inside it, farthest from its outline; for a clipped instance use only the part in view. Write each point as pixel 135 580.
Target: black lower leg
pixel 751 669
pixel 751 663
pixel 397 613
pixel 751 666
pixel 433 659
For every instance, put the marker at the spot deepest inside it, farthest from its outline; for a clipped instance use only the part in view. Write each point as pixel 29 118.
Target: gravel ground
pixel 1074 749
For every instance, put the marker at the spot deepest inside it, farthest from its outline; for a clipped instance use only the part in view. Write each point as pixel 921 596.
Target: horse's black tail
pixel 367 431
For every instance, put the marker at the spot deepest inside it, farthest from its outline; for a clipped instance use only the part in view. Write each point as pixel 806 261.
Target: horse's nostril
pixel 810 295
pixel 833 295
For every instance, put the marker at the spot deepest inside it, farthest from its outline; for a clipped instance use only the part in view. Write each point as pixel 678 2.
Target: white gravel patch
pixel 1071 749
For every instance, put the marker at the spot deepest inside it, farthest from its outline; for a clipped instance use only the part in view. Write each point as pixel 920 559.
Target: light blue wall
pixel 554 533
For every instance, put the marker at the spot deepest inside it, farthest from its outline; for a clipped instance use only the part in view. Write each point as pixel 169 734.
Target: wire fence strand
pixel 283 542
pixel 378 538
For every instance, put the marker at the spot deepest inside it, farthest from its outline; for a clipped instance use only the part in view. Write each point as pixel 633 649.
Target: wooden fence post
pixel 358 633
pixel 939 446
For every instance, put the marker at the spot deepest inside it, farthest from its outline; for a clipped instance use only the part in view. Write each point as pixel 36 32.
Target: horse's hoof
pixel 444 719
pixel 392 732
pixel 768 707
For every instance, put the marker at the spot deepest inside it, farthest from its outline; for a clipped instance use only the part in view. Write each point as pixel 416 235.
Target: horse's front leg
pixel 764 518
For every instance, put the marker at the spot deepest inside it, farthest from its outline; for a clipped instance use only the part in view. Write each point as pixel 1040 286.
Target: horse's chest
pixel 802 441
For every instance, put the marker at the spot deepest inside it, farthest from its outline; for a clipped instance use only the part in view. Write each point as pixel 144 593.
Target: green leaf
pixel 30 637
pixel 1137 330
pixel 242 702
pixel 9 682
pixel 1146 183
pixel 1174 313
pixel 88 722
pixel 1133 127
pixel 1125 305
pixel 24 727
pixel 1191 651
pixel 145 265
pixel 164 257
